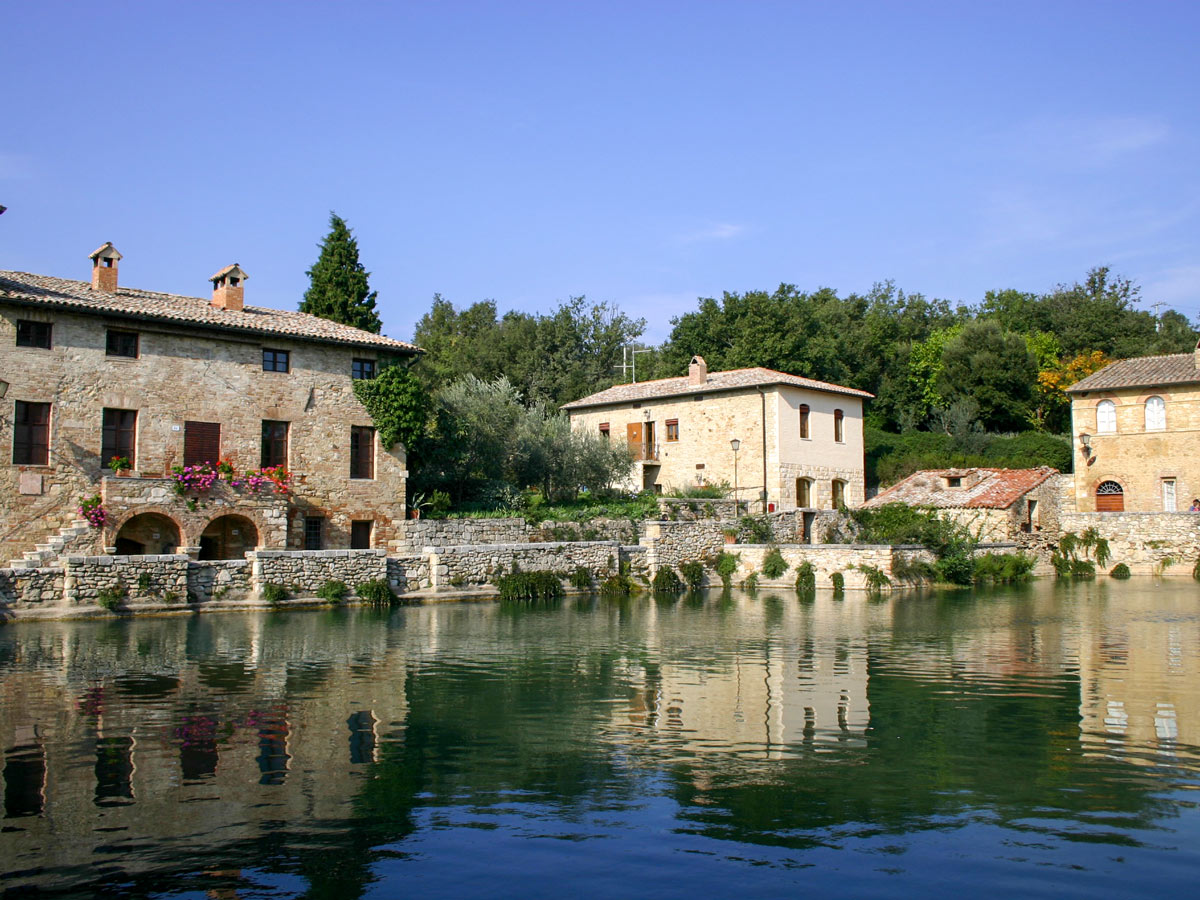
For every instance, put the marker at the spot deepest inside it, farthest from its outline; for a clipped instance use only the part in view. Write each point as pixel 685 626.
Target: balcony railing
pixel 645 451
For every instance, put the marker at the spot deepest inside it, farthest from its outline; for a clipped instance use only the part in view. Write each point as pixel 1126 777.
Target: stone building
pixel 799 442
pixel 993 504
pixel 92 371
pixel 1136 424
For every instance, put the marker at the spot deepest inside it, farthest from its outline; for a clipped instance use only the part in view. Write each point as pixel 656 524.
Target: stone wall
pixel 409 573
pixel 303 572
pixel 220 579
pixel 623 530
pixel 826 559
pixel 30 588
pixel 483 564
pixel 1143 541
pixel 416 534
pixel 682 509
pixel 140 580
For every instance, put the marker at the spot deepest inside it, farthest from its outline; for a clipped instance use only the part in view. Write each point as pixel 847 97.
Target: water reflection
pixel 326 753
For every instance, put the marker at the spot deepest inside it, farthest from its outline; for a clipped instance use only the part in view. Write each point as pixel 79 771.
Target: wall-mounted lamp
pixel 735 445
pixel 1085 444
pixel 3 388
pixel 646 415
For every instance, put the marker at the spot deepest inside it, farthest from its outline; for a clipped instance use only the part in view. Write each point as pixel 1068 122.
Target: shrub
pixel 774 565
pixel 666 581
pixel 111 598
pixel 144 582
pixel 839 582
pixel 906 569
pixel 581 578
pixel 333 591
pixel 702 491
pixel 693 573
pixel 376 592
pixel 876 579
pixel 756 530
pixel 170 597
pixel 1003 568
pixel 536 585
pixel 957 568
pixel 727 564
pixel 274 594
pixel 806 578
pixel 1081 568
pixel 1121 571
pixel 751 582
pixel 1196 570
pixel 617 586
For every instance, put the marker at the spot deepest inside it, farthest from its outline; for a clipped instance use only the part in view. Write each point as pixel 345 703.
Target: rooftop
pixel 80 296
pixel 981 488
pixel 1141 371
pixel 716 381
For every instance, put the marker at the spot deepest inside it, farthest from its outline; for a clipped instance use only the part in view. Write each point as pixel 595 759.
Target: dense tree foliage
pixel 338 288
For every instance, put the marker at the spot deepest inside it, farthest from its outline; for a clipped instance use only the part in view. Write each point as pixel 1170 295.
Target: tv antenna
pixel 628 364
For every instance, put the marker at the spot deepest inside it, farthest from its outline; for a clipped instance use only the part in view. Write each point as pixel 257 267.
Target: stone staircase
pixel 68 540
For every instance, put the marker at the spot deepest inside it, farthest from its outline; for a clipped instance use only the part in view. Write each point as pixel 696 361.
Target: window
pixel 362 369
pixel 33 334
pixel 1110 497
pixel 1168 494
pixel 121 343
pixel 118 436
pixel 360 534
pixel 804 493
pixel 672 429
pixel 839 432
pixel 604 430
pixel 314 530
pixel 955 481
pixel 1156 414
pixel 804 412
pixel 838 493
pixel 362 452
pixel 274 443
pixel 276 361
pixel 31 434
pixel 201 443
pixel 1106 417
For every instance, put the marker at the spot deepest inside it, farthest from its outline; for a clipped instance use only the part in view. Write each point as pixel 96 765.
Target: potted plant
pixel 415 506
pixel 120 466
pixel 731 535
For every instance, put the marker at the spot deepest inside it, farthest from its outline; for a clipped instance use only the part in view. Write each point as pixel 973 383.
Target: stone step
pixel 22 564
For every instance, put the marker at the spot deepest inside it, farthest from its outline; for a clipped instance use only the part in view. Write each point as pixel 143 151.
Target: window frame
pixel 605 431
pixel 672 426
pixel 837 492
pixel 111 436
pixel 839 427
pixel 34 326
pixel 1107 406
pixel 111 346
pixel 359 365
pixel 30 429
pixel 804 497
pixel 286 356
pixel 314 532
pixel 804 417
pixel 266 458
pixel 358 524
pixel 1173 506
pixel 362 436
pixel 1160 411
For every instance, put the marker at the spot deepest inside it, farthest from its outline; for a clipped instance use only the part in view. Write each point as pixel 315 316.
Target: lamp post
pixel 735 445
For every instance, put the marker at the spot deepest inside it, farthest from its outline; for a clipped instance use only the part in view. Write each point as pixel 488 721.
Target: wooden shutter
pixel 634 433
pixel 201 443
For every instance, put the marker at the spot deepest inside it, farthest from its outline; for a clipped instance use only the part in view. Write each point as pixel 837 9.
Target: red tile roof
pixel 1141 371
pixel 717 381
pixel 982 488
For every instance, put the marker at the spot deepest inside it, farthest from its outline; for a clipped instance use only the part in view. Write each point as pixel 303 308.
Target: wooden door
pixel 201 443
pixel 1110 497
pixel 634 432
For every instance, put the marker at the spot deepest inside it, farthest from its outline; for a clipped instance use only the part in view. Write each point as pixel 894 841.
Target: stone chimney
pixel 698 371
pixel 104 267
pixel 227 287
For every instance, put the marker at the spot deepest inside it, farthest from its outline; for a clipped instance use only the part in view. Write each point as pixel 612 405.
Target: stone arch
pixel 146 530
pixel 228 536
pixel 207 517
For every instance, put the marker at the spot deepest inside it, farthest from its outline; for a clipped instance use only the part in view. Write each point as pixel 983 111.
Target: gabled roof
pixel 1141 371
pixel 79 296
pixel 717 381
pixel 994 489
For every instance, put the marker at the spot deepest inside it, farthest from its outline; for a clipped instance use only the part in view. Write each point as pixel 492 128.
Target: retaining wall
pixel 304 571
pixel 482 564
pixel 1143 541
pixel 419 533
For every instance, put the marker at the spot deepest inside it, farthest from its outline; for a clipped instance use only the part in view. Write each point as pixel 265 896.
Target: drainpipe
pixel 762 395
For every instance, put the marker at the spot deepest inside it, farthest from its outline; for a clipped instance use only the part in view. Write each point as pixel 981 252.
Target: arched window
pixel 1110 497
pixel 839 434
pixel 804 421
pixel 804 493
pixel 1106 417
pixel 1156 414
pixel 839 493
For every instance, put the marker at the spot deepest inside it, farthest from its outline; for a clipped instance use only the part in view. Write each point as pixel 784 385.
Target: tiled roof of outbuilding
pixel 80 296
pixel 996 489
pixel 717 381
pixel 1141 371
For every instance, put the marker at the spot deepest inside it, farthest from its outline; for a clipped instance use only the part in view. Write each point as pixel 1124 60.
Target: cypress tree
pixel 338 288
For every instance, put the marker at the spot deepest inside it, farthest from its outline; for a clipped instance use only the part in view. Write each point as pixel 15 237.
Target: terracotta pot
pixel 124 473
pixel 731 538
pixel 414 514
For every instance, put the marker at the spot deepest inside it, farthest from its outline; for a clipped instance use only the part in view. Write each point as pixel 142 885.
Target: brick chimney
pixel 698 371
pixel 104 267
pixel 227 287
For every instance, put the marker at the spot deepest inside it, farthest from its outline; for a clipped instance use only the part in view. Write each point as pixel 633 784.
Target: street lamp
pixel 735 445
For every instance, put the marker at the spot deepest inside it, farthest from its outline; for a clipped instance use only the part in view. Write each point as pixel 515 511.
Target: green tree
pixel 397 403
pixel 338 288
pixel 993 369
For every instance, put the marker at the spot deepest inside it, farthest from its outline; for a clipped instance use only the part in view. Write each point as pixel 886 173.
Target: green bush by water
pixel 581 578
pixel 774 565
pixel 377 592
pixel 667 582
pixel 1121 571
pixel 876 578
pixel 839 582
pixel 726 565
pixel 806 578
pixel 1003 568
pixel 273 593
pixel 333 591
pixel 111 598
pixel 536 585
pixel 693 574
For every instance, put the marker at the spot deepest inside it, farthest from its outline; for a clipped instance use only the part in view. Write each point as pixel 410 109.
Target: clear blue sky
pixel 642 153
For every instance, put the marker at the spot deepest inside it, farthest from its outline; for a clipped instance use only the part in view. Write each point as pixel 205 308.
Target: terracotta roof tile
pixel 80 296
pixel 982 488
pixel 1141 371
pixel 717 381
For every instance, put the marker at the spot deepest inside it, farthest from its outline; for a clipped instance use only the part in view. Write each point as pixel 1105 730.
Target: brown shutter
pixel 1110 503
pixel 634 433
pixel 201 443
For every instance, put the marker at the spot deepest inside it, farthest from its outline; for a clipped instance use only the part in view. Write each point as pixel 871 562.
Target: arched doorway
pixel 228 537
pixel 1110 497
pixel 147 533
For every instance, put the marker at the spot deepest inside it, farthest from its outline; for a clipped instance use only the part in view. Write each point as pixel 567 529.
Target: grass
pixel 377 593
pixel 537 585
pixel 333 591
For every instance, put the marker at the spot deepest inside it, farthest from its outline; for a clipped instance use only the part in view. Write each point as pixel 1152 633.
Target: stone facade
pixel 181 374
pixel 1151 466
